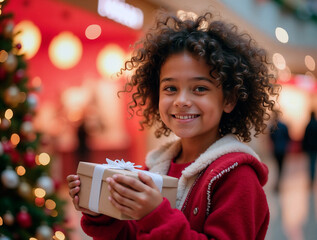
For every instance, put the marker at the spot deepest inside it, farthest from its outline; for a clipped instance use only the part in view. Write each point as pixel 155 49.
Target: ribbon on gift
pixel 117 164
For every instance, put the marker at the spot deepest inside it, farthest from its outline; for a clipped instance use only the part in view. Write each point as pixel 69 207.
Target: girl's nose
pixel 182 100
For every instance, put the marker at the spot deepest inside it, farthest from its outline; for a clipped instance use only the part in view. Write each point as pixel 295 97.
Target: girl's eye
pixel 170 89
pixel 200 89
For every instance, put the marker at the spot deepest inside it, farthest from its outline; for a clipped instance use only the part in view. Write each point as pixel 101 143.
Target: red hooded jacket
pixel 220 196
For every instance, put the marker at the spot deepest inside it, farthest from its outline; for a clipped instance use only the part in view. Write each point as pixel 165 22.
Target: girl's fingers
pixel 73 191
pixel 123 199
pixel 121 189
pixel 147 180
pixel 131 182
pixel 71 178
pixel 127 210
pixel 73 184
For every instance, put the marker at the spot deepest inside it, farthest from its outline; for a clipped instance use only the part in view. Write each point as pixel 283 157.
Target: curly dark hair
pixel 242 69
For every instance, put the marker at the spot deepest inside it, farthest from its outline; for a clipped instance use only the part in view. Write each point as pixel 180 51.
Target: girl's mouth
pixel 185 117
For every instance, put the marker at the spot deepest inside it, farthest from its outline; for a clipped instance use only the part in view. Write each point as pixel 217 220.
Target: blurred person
pixel 310 145
pixel 280 138
pixel 210 85
pixel 82 151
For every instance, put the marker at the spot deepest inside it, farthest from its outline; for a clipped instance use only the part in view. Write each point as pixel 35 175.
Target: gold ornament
pixel 11 63
pixel 12 96
pixel 26 128
pixel 8 218
pixel 25 190
pixel 44 232
pixel 8 30
pixel 4 124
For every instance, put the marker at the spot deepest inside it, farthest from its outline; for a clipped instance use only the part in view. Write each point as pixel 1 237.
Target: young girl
pixel 209 85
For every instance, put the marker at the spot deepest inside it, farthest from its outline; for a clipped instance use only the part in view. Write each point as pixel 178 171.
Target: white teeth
pixel 185 116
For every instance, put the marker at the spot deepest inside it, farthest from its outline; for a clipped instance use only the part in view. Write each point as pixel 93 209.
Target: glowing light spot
pixel 279 61
pixel 44 159
pixel 121 12
pixel 54 213
pixel 110 60
pixel 3 56
pixel 39 192
pixel 29 37
pixel 281 35
pixel 36 82
pixel 50 204
pixel 8 114
pixel 15 139
pixel 93 31
pixel 20 170
pixel 59 235
pixel 39 201
pixel 310 63
pixel 65 50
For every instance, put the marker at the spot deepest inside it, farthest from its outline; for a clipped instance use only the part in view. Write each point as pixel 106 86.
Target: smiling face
pixel 191 103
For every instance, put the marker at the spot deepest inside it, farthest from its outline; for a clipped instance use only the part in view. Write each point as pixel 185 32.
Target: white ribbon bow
pixel 121 164
pixel 117 164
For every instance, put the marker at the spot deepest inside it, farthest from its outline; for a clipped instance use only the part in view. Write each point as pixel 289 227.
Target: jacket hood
pixel 159 161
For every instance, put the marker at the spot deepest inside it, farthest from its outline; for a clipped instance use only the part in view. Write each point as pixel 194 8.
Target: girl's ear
pixel 229 105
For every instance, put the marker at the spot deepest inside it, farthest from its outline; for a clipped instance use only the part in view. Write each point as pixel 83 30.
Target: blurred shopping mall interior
pixel 80 117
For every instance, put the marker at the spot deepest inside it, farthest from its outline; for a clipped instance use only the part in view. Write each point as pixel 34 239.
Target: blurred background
pixel 73 48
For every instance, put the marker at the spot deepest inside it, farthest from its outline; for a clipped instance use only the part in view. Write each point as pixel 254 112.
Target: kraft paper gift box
pixel 88 176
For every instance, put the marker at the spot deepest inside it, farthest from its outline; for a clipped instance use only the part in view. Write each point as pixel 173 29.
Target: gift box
pixel 94 191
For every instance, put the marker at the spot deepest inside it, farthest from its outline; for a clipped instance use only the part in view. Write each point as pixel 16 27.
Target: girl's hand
pixel 134 198
pixel 74 188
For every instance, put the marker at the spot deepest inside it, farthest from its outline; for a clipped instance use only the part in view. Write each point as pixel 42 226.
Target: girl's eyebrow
pixel 166 80
pixel 194 79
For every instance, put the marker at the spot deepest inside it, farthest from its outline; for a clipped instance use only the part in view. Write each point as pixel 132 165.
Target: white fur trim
pixel 159 161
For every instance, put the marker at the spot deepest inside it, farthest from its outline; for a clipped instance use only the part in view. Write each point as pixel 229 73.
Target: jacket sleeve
pixel 163 223
pixel 166 223
pixel 239 207
pixel 107 228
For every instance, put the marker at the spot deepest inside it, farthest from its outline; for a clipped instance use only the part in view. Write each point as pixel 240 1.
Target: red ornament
pixel 57 227
pixel 2 74
pixel 18 46
pixel 24 219
pixel 7 147
pixel 29 159
pixel 15 156
pixel 27 117
pixel 57 184
pixel 19 75
pixel 39 202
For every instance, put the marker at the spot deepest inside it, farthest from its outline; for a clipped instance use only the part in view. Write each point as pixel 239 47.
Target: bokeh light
pixel 39 192
pixel 29 36
pixel 8 114
pixel 3 56
pixel 59 235
pixel 44 159
pixel 65 50
pixel 279 61
pixel 20 170
pixel 93 31
pixel 310 63
pixel 281 35
pixel 50 204
pixel 110 60
pixel 15 139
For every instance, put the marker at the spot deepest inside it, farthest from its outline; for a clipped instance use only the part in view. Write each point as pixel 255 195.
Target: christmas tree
pixel 29 206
